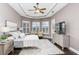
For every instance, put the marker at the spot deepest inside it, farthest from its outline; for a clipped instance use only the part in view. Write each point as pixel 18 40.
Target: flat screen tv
pixel 60 27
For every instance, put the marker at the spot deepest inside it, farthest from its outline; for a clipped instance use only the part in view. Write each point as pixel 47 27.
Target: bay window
pixel 35 26
pixel 26 27
pixel 45 27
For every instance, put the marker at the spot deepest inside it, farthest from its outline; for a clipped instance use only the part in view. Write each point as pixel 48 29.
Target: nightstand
pixel 6 47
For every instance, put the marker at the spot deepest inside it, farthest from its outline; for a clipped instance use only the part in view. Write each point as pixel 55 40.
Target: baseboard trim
pixel 72 49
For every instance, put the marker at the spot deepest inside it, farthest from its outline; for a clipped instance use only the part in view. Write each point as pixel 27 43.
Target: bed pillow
pixel 31 37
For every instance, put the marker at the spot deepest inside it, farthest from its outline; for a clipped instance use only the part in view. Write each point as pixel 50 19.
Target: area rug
pixel 46 48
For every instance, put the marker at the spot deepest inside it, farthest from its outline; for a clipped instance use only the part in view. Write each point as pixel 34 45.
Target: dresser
pixel 6 47
pixel 62 40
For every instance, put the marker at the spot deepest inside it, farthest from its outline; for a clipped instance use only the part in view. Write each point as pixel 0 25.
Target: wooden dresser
pixel 6 47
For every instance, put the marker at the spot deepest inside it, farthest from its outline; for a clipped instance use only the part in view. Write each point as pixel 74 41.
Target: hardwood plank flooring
pixel 66 51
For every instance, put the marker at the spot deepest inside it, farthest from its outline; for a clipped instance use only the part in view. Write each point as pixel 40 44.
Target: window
pixel 26 27
pixel 35 26
pixel 45 27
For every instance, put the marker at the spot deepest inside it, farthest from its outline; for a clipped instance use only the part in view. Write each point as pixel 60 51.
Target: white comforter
pixel 27 41
pixel 31 41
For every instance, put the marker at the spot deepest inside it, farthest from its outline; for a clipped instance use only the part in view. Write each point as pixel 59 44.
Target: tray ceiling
pixel 23 9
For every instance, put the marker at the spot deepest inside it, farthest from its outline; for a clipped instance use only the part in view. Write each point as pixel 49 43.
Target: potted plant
pixel 3 37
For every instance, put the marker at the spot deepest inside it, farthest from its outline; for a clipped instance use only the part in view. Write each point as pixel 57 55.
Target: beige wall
pixel 70 14
pixel 7 13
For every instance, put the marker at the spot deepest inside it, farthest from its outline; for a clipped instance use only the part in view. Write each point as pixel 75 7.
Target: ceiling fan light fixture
pixel 37 11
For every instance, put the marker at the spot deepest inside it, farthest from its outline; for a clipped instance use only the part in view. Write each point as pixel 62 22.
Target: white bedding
pixel 28 37
pixel 27 41
pixel 31 37
pixel 31 43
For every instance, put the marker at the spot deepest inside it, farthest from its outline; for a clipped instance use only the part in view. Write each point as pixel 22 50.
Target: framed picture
pixel 12 26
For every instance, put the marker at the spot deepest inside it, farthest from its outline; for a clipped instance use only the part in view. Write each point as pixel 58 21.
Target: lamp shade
pixel 4 29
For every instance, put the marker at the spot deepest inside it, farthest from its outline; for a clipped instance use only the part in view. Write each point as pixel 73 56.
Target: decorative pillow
pixel 15 35
pixel 22 35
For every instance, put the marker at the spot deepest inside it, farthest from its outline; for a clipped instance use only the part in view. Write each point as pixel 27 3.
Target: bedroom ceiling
pixel 23 9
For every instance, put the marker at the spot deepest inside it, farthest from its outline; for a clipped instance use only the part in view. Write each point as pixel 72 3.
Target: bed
pixel 27 41
pixel 21 41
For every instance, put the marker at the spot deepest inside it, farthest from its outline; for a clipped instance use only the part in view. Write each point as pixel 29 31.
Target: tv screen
pixel 60 28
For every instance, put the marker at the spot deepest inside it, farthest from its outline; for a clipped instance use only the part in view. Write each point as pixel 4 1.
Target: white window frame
pixel 44 25
pixel 26 27
pixel 36 25
pixel 52 27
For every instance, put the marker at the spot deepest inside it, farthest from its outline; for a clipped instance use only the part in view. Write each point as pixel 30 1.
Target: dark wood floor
pixel 16 51
pixel 66 51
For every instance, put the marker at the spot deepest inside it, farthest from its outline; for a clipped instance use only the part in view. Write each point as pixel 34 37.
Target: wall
pixel 70 14
pixel 7 13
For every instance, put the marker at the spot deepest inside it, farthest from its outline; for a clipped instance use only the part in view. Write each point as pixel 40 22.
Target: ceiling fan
pixel 37 9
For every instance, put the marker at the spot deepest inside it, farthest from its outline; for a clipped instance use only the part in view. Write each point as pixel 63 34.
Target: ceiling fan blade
pixel 41 12
pixel 31 10
pixel 35 7
pixel 43 9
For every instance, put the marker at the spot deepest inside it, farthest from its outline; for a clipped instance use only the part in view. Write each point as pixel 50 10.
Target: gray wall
pixel 70 14
pixel 7 13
